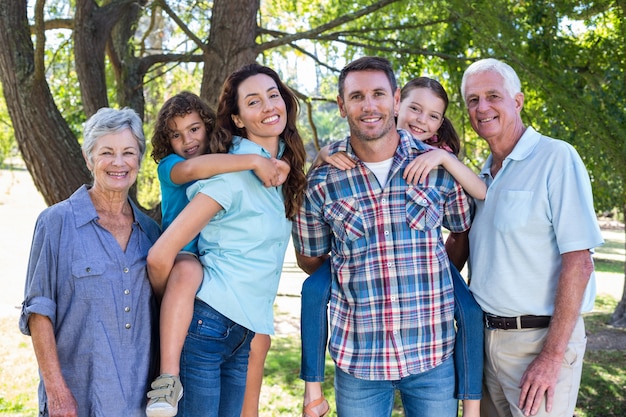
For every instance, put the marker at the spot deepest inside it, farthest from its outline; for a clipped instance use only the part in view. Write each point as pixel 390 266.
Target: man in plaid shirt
pixel 392 304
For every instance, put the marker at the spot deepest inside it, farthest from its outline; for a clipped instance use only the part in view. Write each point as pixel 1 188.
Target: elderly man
pixel 530 258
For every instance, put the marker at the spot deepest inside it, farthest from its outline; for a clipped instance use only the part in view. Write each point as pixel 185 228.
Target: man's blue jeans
pixel 213 365
pixel 428 394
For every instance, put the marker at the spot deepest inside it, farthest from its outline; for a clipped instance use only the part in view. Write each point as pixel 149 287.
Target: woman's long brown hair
pixel 294 154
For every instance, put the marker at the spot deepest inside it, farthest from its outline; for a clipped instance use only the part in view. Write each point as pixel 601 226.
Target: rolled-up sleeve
pixel 41 276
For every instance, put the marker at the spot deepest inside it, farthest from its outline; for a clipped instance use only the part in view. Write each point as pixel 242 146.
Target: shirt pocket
pixel 512 210
pixel 423 208
pixel 88 281
pixel 346 219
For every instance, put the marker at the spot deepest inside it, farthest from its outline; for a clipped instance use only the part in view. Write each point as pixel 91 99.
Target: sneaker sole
pixel 164 412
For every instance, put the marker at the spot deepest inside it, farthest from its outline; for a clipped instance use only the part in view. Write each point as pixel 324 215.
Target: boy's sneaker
pixel 163 399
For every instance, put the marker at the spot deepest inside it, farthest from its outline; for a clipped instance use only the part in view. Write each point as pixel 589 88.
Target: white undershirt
pixel 380 169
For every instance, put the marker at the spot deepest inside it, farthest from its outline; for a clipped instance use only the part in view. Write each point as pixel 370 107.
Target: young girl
pixel 422 112
pixel 180 144
pixel 244 231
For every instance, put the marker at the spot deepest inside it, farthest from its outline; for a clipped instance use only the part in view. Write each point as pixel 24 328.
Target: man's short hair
pixel 368 63
pixel 512 83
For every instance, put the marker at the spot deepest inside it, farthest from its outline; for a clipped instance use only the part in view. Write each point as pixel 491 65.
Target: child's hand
pixel 419 168
pixel 283 170
pixel 339 160
pixel 270 171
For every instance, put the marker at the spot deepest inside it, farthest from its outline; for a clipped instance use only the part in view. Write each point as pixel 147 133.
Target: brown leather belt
pixel 521 322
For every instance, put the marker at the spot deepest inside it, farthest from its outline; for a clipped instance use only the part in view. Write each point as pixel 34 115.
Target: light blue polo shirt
pixel 243 247
pixel 538 207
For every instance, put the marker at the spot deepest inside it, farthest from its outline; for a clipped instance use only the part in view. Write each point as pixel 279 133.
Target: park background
pixel 61 60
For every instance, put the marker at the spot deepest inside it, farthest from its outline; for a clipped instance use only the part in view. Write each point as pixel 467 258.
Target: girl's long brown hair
pixel 294 154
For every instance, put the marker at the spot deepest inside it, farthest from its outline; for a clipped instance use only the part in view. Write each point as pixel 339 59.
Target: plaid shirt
pixel 392 302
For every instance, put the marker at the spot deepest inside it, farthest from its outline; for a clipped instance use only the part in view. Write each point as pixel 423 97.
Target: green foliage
pixel 12 407
pixel 62 79
pixel 569 55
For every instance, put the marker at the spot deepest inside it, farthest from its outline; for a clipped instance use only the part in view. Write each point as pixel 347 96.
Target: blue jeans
pixel 213 365
pixel 468 346
pixel 427 394
pixel 469 342
pixel 314 323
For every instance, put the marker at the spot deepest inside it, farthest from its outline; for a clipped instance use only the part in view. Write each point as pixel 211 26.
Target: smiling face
pixel 421 113
pixel 262 110
pixel 493 113
pixel 115 162
pixel 188 136
pixel 369 105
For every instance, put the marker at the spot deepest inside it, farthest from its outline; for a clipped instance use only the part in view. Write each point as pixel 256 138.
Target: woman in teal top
pixel 244 231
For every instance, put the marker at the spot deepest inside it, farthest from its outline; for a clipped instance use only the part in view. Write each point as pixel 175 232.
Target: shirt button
pixel 126 270
pixel 393 298
pixel 127 325
pixel 127 309
pixel 88 269
pixel 386 232
pixel 126 292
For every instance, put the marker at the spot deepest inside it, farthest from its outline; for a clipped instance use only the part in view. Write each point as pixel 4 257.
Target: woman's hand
pixel 61 402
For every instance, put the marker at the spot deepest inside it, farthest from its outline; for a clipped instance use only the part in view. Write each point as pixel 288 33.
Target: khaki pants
pixel 507 355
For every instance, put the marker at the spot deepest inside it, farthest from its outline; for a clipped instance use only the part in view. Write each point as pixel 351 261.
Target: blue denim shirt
pixel 100 303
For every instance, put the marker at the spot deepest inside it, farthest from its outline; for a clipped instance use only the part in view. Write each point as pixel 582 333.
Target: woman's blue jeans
pixel 468 347
pixel 426 394
pixel 213 365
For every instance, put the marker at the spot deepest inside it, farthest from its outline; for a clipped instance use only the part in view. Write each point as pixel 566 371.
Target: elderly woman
pixel 88 303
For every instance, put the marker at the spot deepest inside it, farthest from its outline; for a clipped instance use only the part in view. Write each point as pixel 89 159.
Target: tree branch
pixel 166 8
pixel 313 33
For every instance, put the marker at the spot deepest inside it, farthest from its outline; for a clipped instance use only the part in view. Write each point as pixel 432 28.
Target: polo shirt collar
pixel 524 147
pixel 246 146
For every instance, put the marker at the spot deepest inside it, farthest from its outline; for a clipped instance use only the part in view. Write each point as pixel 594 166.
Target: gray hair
pixel 512 83
pixel 107 121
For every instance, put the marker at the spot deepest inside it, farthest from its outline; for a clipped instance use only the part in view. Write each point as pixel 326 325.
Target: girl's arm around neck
pixel 417 171
pixel 271 172
pixel 339 160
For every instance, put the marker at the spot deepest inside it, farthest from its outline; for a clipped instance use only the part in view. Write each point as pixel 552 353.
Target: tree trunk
pixel 90 38
pixel 127 66
pixel 231 44
pixel 49 148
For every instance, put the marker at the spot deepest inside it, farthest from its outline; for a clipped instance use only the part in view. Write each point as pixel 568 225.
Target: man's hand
pixel 539 382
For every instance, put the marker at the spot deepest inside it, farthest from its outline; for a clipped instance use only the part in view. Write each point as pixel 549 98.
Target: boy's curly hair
pixel 179 105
